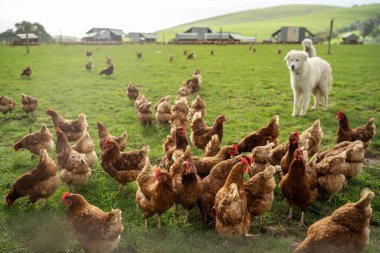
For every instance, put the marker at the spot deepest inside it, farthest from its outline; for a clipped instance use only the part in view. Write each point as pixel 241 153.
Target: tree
pixel 367 27
pixel 25 27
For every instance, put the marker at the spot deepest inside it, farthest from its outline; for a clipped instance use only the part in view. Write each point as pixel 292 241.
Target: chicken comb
pixel 184 129
pixel 339 113
pixel 222 115
pixel 158 172
pixel 64 196
pixel 235 148
pixel 297 133
pixel 107 141
pixel 47 109
pixel 58 129
pixel 250 160
pixel 244 160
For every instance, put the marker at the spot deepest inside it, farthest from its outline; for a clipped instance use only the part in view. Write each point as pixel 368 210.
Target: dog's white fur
pixel 309 48
pixel 308 75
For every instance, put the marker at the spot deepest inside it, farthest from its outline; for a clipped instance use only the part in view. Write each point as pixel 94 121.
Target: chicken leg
pixel 187 216
pixel 290 215
pixel 159 222
pixel 302 224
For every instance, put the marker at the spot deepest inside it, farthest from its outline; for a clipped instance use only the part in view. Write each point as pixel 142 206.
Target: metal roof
pixel 150 36
pixel 348 35
pixel 30 35
pixel 114 31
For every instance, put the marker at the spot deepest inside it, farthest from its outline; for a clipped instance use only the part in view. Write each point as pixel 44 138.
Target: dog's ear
pixel 287 55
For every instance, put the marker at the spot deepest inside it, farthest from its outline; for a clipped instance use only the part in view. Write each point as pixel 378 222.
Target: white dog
pixel 309 48
pixel 308 75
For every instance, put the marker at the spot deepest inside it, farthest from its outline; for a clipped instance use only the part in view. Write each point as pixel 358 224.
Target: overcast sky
pixel 76 17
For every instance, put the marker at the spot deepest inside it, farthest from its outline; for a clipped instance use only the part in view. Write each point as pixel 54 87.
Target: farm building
pixel 350 38
pixel 142 37
pixel 104 34
pixel 291 34
pixel 21 39
pixel 204 35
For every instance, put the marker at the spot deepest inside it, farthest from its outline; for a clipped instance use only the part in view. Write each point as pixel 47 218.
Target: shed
pixel 21 39
pixel 350 38
pixel 137 37
pixel 288 34
pixel 104 34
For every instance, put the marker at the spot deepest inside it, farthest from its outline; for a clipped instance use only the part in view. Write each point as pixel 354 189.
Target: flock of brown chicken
pixel 214 182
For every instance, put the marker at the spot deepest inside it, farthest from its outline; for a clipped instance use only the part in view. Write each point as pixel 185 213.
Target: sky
pixel 76 17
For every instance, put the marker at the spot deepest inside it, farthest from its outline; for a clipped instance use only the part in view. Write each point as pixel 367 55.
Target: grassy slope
pixel 248 88
pixel 263 22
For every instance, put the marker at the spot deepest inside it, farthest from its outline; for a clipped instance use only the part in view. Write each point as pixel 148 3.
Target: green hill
pixel 261 23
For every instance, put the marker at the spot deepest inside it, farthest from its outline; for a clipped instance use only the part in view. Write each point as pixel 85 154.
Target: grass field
pixel 261 23
pixel 248 88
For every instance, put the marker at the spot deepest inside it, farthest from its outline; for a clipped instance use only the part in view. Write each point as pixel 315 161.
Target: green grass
pixel 248 88
pixel 263 22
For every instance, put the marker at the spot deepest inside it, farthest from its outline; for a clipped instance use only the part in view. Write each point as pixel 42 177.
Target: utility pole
pixel 330 35
pixel 220 36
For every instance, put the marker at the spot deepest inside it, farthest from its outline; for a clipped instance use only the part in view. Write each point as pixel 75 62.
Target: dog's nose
pixel 292 66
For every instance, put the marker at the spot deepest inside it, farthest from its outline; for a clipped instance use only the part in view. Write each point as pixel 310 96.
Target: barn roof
pixel 30 35
pixel 279 30
pixel 350 35
pixel 152 36
pixel 197 29
pixel 118 32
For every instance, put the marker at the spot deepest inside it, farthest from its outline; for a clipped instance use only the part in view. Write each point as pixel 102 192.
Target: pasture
pixel 249 88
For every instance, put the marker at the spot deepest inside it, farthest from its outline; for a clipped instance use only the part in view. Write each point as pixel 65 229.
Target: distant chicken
pixel 73 129
pixel 260 159
pixel 232 216
pixel 38 183
pixel 89 66
pixel 139 101
pixel 105 135
pixel 346 133
pixel 187 184
pixel 259 192
pixel 29 103
pixel 179 112
pixel 88 53
pixel 183 92
pixel 6 104
pixel 346 230
pixel 85 145
pixel 132 91
pixel 261 137
pixel 144 114
pixel 299 185
pixel 201 133
pixel 212 52
pixel 124 167
pixel 338 164
pixel 155 193
pixel 97 231
pixel 191 56
pixel 27 71
pixel 36 141
pixel 171 58
pixel 193 84
pixel 175 141
pixel 74 166
pixel 139 55
pixel 211 185
pixel 205 164
pixel 163 110
pixel 309 140
pixel 213 146
pixel 198 105
pixel 108 71
pixel 109 61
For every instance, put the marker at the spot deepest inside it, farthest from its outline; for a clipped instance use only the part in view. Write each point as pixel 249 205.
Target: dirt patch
pixel 372 161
